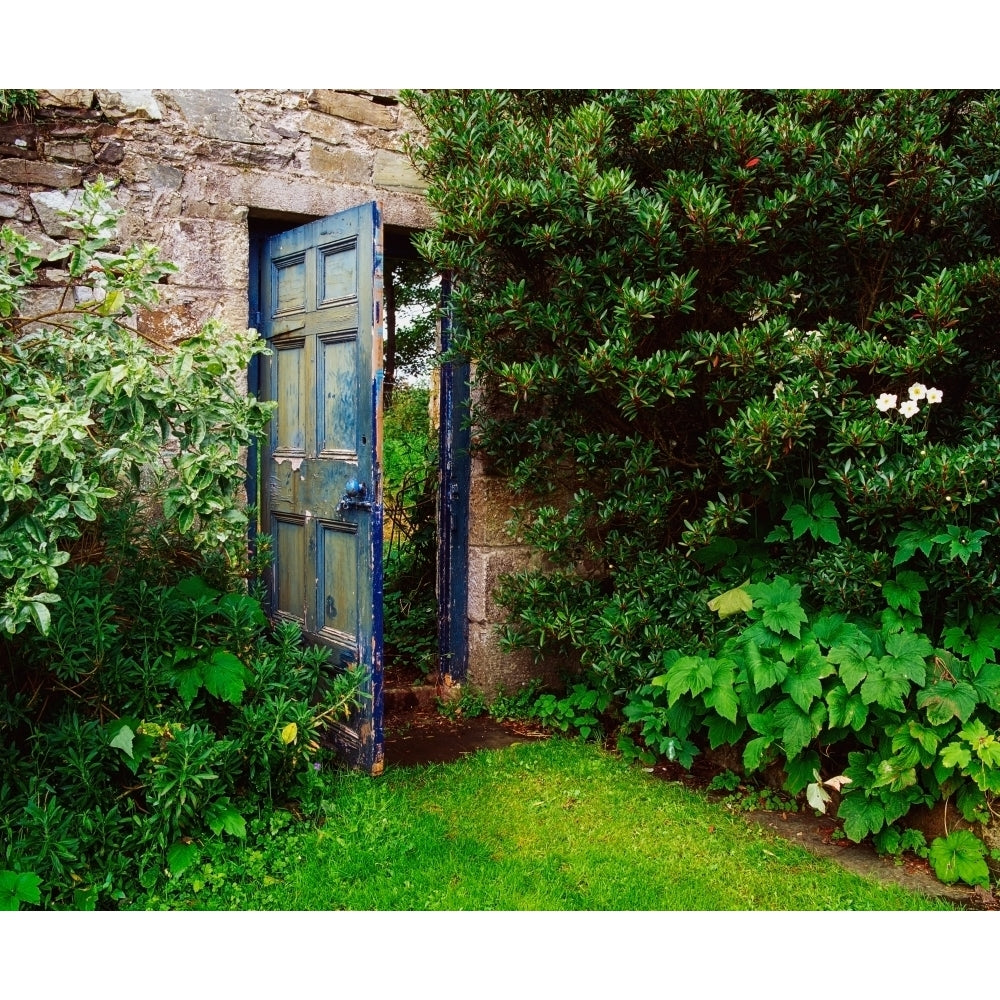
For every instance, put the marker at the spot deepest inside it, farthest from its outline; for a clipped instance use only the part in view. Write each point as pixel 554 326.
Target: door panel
pixel 321 313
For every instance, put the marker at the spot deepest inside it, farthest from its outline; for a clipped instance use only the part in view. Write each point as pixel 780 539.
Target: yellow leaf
pixel 289 733
pixel 732 602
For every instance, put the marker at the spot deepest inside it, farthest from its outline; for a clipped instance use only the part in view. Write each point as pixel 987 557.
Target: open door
pixel 321 491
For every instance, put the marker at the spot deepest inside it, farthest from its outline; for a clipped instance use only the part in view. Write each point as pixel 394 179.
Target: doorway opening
pixel 411 472
pixel 421 611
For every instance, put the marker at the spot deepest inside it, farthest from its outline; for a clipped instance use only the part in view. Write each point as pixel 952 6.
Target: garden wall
pixel 194 168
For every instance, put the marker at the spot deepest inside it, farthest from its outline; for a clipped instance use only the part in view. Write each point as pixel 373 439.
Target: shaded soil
pixel 417 732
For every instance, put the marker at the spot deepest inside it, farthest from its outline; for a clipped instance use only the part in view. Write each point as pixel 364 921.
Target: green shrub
pixel 91 408
pixel 146 707
pixel 727 337
pixel 208 717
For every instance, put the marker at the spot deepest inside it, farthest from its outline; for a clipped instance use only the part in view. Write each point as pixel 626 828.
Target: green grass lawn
pixel 557 825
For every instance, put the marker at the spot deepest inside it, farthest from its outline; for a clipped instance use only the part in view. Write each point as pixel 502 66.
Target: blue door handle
pixel 356 497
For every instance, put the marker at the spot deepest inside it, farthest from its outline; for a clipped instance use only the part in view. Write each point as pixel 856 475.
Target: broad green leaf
pixel 188 682
pixel 764 671
pixel 123 740
pixel 887 690
pixel 959 857
pixel 861 816
pixel 181 856
pixel 800 770
pixel 753 752
pixel 195 588
pixel 786 617
pixel 943 701
pixel 827 531
pixel 972 803
pixel 962 543
pixel 904 592
pixel 909 541
pixel 833 630
pixel 722 732
pixel 223 818
pixel 225 676
pixel 986 684
pixel 853 666
pixel 798 727
pixel 980 649
pixel 918 743
pixel 778 591
pixel 906 654
pixel 689 675
pixel 721 695
pixel 803 684
pixel 895 774
pixel 732 602
pixel 956 755
pixel 846 710
pixel 799 518
pixel 19 887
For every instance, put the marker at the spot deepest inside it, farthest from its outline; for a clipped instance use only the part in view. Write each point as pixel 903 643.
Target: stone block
pixel 54 175
pixel 110 152
pixel 209 253
pixel 492 670
pixel 395 171
pixel 65 98
pixel 215 114
pixel 18 139
pixel 353 108
pixel 326 128
pixel 50 206
pixel 119 104
pixel 491 506
pixel 165 178
pixel 9 207
pixel 340 166
pixel 41 302
pixel 486 566
pixel 70 152
pixel 165 325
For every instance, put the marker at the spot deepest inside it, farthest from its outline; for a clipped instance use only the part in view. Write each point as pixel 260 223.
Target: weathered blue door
pixel 321 491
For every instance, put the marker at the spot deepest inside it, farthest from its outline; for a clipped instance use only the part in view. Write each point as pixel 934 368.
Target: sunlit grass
pixel 558 825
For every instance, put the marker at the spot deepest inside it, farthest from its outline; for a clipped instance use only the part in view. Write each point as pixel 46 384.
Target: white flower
pixel 886 402
pixel 779 387
pixel 918 390
pixel 909 408
pixel 934 395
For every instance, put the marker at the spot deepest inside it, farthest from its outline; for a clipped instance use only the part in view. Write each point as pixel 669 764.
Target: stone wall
pixel 194 165
pixel 193 168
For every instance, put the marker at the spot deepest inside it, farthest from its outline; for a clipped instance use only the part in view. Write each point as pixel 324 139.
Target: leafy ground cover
pixel 559 825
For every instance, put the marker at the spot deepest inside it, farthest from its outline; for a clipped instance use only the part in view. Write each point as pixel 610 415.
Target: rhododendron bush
pixel 725 339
